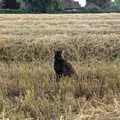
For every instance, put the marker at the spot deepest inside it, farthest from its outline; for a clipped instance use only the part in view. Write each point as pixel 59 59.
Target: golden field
pixel 91 43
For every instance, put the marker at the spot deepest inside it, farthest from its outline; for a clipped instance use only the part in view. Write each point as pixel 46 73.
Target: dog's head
pixel 58 53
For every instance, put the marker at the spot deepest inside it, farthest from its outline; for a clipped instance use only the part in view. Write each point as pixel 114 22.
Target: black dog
pixel 61 66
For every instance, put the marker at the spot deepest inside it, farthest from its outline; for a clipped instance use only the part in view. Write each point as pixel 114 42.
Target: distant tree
pixel 100 3
pixel 42 5
pixel 12 4
pixel 56 5
pixel 1 3
pixel 116 4
pixel 93 1
pixel 22 4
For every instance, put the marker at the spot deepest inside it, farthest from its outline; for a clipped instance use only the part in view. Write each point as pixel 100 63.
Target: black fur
pixel 61 66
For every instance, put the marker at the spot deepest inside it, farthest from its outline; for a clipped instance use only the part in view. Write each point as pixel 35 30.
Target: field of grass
pixel 28 90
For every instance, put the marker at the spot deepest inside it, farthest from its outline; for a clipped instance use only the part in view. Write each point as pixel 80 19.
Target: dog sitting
pixel 61 66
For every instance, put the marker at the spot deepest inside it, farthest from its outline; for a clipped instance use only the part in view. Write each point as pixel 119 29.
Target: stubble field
pixel 28 90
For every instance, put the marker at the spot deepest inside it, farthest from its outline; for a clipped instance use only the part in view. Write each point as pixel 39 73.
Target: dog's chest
pixel 59 66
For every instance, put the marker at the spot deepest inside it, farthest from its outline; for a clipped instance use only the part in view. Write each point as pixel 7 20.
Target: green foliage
pixel 22 4
pixel 43 5
pixel 13 11
pixel 116 4
pixel 91 1
pixel 56 5
pixel 101 3
pixel 82 10
pixel 38 5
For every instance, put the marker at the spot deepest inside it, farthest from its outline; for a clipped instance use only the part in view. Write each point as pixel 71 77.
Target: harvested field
pixel 28 90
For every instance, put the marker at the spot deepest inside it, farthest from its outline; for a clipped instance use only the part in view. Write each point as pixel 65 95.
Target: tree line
pixel 49 5
pixel 32 5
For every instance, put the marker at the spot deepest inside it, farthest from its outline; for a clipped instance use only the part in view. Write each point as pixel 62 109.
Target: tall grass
pixel 27 80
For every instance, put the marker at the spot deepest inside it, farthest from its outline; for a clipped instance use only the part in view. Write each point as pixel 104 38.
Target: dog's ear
pixel 58 50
